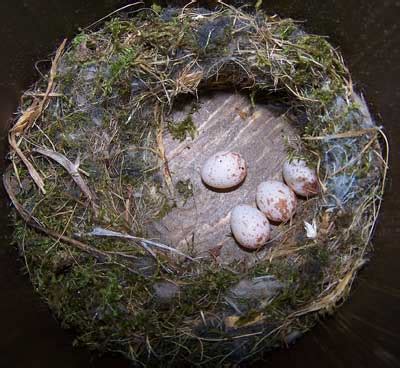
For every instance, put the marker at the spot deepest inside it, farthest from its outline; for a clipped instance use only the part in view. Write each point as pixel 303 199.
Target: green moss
pixel 285 29
pixel 117 27
pixel 205 291
pixel 185 189
pixel 166 208
pixel 214 37
pixel 124 60
pixel 156 8
pixel 182 130
pixel 79 40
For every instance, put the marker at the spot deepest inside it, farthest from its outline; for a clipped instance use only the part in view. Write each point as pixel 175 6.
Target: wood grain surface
pixel 224 122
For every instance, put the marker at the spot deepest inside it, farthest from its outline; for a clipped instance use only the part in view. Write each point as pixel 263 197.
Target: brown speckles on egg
pixel 276 200
pixel 311 188
pixel 249 227
pixel 224 170
pixel 301 178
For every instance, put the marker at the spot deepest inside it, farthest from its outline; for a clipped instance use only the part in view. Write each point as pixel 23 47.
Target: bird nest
pixel 89 176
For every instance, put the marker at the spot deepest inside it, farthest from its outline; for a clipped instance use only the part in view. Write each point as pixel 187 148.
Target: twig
pixel 355 159
pixel 64 230
pixel 161 148
pixel 53 72
pixel 333 297
pixel 384 177
pixel 33 223
pixel 348 134
pixel 39 94
pixel 112 13
pixel 98 231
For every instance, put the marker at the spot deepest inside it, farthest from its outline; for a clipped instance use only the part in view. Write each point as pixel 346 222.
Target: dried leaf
pixel 26 119
pixel 30 116
pixel 238 321
pixel 31 169
pixel 70 167
pixel 33 112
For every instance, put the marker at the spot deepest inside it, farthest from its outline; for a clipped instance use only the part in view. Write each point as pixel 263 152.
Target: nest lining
pixel 89 172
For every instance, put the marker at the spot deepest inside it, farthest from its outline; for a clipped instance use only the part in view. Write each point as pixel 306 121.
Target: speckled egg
pixel 249 226
pixel 276 200
pixel 301 178
pixel 224 170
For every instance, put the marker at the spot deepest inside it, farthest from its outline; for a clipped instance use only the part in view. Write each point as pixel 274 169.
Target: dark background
pixel 366 331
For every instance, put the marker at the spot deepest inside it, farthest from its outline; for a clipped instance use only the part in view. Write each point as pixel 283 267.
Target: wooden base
pixel 225 122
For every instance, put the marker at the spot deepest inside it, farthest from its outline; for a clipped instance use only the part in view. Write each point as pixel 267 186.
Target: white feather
pixel 311 229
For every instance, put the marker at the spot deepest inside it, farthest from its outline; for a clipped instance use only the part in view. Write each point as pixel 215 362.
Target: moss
pixel 124 60
pixel 285 29
pixel 156 8
pixel 79 40
pixel 116 27
pixel 185 189
pixel 214 36
pixel 182 130
pixel 205 291
pixel 166 208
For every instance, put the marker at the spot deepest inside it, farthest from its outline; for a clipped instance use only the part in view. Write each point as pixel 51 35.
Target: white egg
pixel 224 170
pixel 301 178
pixel 276 200
pixel 249 226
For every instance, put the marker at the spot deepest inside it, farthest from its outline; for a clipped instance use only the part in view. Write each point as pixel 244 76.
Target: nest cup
pixel 89 177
